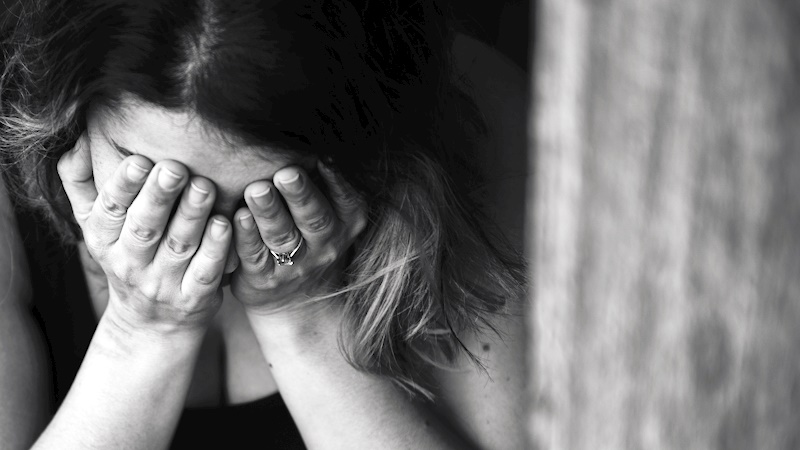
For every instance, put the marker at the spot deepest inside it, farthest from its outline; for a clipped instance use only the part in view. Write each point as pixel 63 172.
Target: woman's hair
pixel 366 85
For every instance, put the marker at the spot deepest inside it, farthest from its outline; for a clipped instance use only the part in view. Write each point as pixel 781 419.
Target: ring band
pixel 285 259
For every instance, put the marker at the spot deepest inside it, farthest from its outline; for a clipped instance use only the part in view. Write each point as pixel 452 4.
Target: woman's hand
pixel 164 273
pixel 327 229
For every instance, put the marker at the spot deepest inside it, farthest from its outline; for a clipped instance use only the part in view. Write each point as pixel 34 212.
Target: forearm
pixel 129 392
pixel 333 404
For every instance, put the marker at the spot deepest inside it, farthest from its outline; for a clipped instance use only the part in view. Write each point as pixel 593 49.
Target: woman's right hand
pixel 163 272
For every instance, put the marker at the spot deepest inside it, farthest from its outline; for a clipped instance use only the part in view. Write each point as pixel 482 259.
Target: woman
pixel 268 197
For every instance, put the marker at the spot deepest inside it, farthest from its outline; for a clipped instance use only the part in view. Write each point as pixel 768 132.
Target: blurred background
pixel 663 225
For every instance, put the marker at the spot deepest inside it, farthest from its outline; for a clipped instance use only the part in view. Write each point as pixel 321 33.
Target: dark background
pixel 505 25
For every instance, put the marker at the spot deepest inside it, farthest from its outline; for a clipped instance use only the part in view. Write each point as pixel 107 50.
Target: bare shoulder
pixel 14 274
pixel 487 403
pixel 23 361
pixel 500 90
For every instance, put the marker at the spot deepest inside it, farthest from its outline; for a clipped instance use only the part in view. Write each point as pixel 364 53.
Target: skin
pixel 164 271
pixel 134 380
pixel 236 171
pixel 23 381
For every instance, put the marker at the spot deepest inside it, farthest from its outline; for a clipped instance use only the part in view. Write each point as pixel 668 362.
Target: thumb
pixel 75 170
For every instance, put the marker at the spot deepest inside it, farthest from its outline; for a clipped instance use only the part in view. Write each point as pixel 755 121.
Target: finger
pixel 311 211
pixel 254 256
pixel 204 273
pixel 150 211
pixel 232 262
pixel 346 201
pixel 275 224
pixel 185 229
pixel 75 170
pixel 104 224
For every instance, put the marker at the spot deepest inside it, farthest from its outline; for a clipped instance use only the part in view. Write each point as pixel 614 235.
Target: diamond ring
pixel 285 259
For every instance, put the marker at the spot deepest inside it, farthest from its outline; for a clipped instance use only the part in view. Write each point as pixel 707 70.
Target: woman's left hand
pixel 327 230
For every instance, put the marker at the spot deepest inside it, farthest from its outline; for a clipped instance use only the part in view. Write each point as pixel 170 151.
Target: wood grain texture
pixel 665 225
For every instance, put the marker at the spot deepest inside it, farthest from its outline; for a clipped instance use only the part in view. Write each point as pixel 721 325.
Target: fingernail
pixel 218 228
pixel 197 194
pixel 293 184
pixel 168 179
pixel 136 172
pixel 247 221
pixel 263 198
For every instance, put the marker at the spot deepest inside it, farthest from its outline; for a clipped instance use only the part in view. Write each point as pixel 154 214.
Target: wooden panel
pixel 665 225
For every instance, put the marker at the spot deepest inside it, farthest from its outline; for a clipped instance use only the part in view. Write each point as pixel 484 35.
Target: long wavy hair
pixel 366 85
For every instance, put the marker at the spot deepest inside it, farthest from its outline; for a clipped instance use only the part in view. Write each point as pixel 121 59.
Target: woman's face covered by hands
pixel 167 206
pixel 159 134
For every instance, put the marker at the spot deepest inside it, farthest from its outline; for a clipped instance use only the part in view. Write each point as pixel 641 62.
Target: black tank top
pixel 64 313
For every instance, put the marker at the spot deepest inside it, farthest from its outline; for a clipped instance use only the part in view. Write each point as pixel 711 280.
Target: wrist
pixel 131 388
pixel 296 330
pixel 118 334
pixel 152 318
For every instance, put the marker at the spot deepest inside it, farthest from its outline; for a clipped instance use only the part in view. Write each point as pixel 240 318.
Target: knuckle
pixel 328 257
pixel 148 290
pixel 303 198
pixel 348 200
pixel 270 214
pixel 270 285
pixel 111 206
pixel 190 214
pixel 204 277
pixel 160 198
pixel 267 284
pixel 178 248
pixel 319 223
pixel 142 233
pixel 301 273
